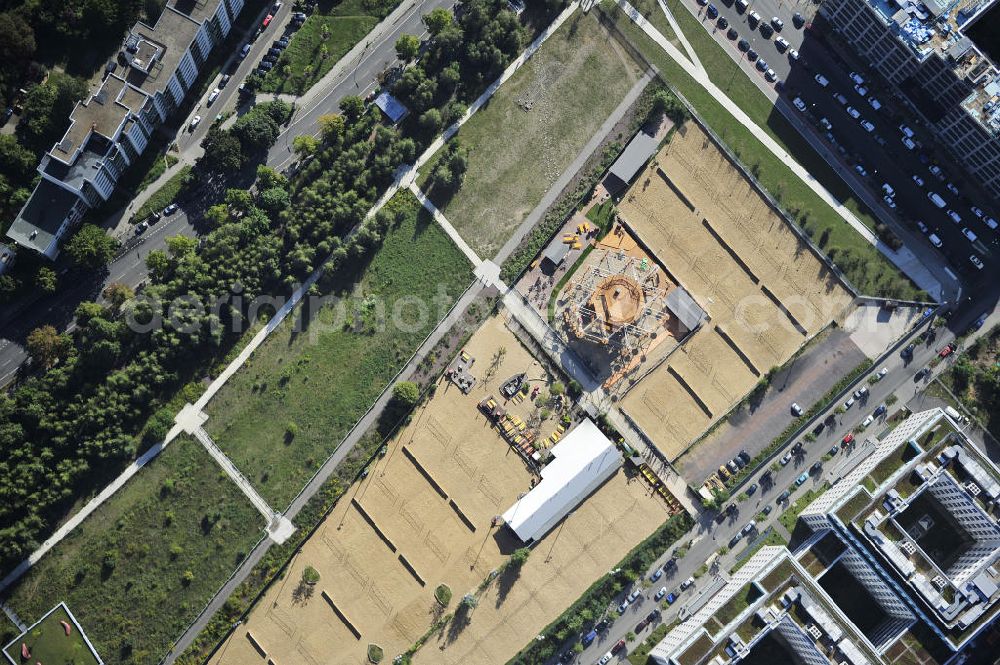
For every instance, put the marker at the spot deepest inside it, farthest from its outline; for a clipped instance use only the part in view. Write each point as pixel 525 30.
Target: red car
pixel 848 439
pixel 619 645
pixel 267 20
pixel 946 351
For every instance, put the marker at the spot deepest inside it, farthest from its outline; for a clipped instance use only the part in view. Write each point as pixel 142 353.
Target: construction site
pixel 426 516
pixel 622 312
pixel 764 289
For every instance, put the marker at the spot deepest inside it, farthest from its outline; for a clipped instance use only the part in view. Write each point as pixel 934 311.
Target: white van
pixel 935 240
pixel 955 217
pixel 822 80
pixel 906 130
pixel 968 233
pixel 953 414
pixel 936 199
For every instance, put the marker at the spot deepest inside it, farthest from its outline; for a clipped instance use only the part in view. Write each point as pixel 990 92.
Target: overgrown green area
pixel 588 609
pixel 325 37
pixel 48 642
pixel 867 269
pixel 323 379
pixel 772 538
pixel 640 654
pixel 975 379
pixel 655 101
pixel 139 569
pixel 791 514
pixel 532 129
pixel 165 195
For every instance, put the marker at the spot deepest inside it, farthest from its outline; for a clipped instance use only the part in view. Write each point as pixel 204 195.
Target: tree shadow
pixel 505 582
pixel 461 619
pixel 303 592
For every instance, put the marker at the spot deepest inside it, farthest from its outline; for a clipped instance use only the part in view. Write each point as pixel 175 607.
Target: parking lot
pixel 880 152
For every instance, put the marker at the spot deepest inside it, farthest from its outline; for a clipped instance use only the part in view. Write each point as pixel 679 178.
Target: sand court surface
pixel 616 517
pixel 423 516
pixel 765 290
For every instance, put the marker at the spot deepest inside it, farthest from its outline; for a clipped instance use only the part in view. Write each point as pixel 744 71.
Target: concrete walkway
pixel 445 224
pixel 681 37
pixel 904 260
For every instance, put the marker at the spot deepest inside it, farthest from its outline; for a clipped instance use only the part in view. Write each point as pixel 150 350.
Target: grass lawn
pixel 165 195
pixel 574 81
pixel 139 569
pixel 315 48
pixel 791 514
pixel 48 643
pixel 287 410
pixel 156 170
pixel 869 271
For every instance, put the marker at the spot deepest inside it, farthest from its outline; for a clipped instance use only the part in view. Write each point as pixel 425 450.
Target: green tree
pixel 437 20
pixel 406 394
pixel 304 145
pixel 158 263
pixel 331 126
pixel 47 346
pixel 217 215
pixel 117 294
pixel 352 107
pixel 256 132
pixel 91 247
pixel 520 556
pixel 46 280
pixel 407 47
pixel 274 200
pixel 47 108
pixel 180 246
pixel 430 122
pixel 222 151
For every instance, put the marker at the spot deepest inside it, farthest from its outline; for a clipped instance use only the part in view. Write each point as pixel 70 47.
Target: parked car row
pixel 733 466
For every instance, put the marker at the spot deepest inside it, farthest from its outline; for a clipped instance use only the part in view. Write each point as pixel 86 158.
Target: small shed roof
pixel 392 107
pixel 639 150
pixel 556 251
pixel 683 306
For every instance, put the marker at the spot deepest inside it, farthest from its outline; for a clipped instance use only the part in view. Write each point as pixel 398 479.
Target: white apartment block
pixel 109 132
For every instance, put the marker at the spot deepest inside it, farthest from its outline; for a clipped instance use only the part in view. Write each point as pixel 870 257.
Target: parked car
pixel 875 104
pixel 867 421
pixel 923 227
pixel 857 78
pixel 777 23
pixel 745 456
pixel 786 458
pixel 968 233
pixel 832 451
pixel 267 21
pixel 732 33
pixel 245 51
pixel 751 55
pixel 952 188
pixel 783 497
pixel 889 201
pixel 955 217
pixel 801 479
pixel 620 644
pixel 722 23
pixel 743 45
pixel 623 606
pixel 767 509
pixel 848 439
pixel 212 96
pixel 853 112
pixel 711 11
pixel 566 656
pixel 798 20
pixel 907 132
pixel 840 98
pixel 671 597
pixel 141 227
pixel 947 351
pixel 606 658
pixel 816 467
pixel 657 574
pixel 796 409
pixel 752 489
pixel 936 171
pixel 879 410
pixel 793 54
pixel 976 261
pixel 781 44
pixel 687 583
pixel 224 80
pixel 868 126
pixel 660 594
pixel 860 392
pixel 735 540
pixel 799 104
pixel 908 142
pixel 170 209
pixel 638 627
pixel 822 80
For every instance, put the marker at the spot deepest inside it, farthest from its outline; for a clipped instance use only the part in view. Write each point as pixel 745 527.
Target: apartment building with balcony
pixel 109 131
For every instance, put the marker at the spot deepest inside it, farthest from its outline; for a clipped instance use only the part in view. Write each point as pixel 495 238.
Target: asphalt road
pixel 360 77
pixel 882 153
pixel 708 535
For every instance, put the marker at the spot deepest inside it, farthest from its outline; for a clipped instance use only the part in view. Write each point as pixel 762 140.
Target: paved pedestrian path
pixel 681 37
pixel 445 224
